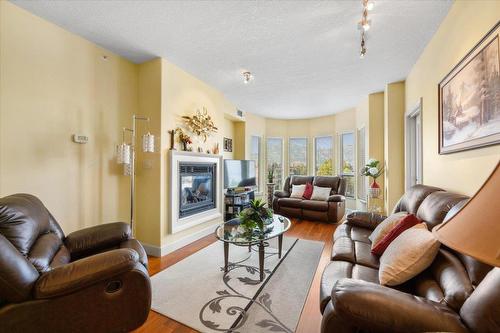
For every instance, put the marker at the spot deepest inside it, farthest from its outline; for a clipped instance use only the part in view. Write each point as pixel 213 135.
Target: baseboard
pixel 156 251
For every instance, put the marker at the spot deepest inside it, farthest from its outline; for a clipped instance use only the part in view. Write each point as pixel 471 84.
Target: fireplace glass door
pixel 198 186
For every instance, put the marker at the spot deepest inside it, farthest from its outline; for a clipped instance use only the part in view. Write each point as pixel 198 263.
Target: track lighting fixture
pixel 247 77
pixel 364 25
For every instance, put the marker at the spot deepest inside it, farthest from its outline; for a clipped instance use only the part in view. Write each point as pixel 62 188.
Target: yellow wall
pixel 54 84
pixel 149 165
pixel 182 94
pixel 394 147
pixel 466 23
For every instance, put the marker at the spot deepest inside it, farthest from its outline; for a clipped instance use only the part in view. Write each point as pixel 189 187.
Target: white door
pixel 414 146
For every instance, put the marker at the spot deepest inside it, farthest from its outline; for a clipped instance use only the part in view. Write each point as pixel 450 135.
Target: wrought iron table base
pixel 262 245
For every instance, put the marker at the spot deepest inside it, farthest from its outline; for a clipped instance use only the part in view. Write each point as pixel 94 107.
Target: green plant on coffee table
pixel 255 216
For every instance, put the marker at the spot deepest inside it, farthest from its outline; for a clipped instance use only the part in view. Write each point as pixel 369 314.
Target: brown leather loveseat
pixel 331 210
pixel 92 280
pixel 456 293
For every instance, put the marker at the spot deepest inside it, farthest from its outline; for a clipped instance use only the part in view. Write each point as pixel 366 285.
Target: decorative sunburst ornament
pixel 201 124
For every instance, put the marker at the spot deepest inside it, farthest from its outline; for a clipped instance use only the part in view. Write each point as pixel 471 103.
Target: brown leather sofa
pixel 93 280
pixel 455 294
pixel 331 210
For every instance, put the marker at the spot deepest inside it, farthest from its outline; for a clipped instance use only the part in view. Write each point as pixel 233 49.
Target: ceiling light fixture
pixel 247 77
pixel 364 25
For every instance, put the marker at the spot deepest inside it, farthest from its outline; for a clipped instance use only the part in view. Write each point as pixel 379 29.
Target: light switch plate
pixel 80 138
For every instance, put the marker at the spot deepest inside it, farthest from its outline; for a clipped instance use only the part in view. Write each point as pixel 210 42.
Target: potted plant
pixel 270 174
pixel 373 169
pixel 255 217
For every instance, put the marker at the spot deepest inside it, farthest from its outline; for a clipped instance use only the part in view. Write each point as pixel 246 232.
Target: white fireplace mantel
pixel 176 223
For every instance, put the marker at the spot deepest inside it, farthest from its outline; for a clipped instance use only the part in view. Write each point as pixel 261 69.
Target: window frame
pixel 282 157
pixel 315 164
pixel 306 155
pixel 341 160
pixel 362 181
pixel 259 159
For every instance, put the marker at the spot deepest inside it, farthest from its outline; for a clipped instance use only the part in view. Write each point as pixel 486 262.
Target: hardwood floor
pixel 310 319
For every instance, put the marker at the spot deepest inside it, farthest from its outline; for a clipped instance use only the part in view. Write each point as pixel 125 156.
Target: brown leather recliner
pixel 456 293
pixel 331 210
pixel 93 280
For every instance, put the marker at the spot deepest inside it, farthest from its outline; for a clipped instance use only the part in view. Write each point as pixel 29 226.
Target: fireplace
pixel 195 190
pixel 197 187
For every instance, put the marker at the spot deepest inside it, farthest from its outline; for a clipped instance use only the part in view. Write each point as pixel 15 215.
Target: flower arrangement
pixel 374 170
pixel 183 138
pixel 201 124
pixel 255 216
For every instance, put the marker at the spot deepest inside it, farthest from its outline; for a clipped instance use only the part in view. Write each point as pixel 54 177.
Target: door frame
pixel 413 169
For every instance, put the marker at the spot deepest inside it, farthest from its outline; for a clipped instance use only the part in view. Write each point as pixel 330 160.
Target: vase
pixel 374 190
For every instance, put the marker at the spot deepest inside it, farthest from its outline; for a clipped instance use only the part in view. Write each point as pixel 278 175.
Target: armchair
pixel 93 280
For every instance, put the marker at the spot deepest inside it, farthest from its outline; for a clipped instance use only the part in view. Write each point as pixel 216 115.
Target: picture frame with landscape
pixel 469 99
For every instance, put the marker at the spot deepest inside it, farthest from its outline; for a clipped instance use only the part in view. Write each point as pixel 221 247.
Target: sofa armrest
pixel 100 237
pixel 336 198
pixel 281 194
pixel 85 272
pixel 374 307
pixel 365 219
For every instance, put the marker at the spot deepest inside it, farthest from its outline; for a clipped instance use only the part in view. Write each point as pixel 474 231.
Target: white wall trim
pixel 156 251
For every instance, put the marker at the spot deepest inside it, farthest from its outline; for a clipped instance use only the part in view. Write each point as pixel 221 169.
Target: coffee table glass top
pixel 233 232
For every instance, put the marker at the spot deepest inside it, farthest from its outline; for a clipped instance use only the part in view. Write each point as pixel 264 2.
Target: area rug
pixel 197 293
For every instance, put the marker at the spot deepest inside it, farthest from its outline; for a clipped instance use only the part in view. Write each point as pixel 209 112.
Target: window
pixel 275 160
pixel 414 146
pixel 323 156
pixel 255 155
pixel 362 180
pixel 347 162
pixel 297 156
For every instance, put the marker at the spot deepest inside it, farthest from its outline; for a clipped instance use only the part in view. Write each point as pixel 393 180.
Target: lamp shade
pixel 123 154
pixel 475 229
pixel 148 143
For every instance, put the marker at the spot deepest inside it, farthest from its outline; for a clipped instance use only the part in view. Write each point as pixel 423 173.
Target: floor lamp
pixel 125 155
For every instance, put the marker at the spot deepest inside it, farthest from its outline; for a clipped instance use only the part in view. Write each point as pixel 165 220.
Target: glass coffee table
pixel 232 232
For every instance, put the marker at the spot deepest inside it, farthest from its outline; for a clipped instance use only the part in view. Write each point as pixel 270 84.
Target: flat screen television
pixel 239 173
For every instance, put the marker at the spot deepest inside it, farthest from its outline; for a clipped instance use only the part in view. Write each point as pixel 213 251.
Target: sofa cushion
pixel 321 193
pixel 291 202
pixel 337 270
pixel 308 191
pixel 436 206
pixel 408 255
pixel 327 181
pixel 406 223
pixel 347 249
pixel 300 180
pixel 320 206
pixel 353 232
pixel 412 199
pixel 385 227
pixel 297 191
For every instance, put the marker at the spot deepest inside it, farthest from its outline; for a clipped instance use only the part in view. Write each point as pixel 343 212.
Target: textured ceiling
pixel 304 54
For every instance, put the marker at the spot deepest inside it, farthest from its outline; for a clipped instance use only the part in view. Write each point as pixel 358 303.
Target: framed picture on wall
pixel 469 99
pixel 228 145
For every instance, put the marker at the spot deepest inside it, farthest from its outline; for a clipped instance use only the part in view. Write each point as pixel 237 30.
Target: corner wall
pixel 54 84
pixel 466 23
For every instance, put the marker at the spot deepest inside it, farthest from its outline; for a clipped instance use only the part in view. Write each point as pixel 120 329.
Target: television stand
pixel 235 202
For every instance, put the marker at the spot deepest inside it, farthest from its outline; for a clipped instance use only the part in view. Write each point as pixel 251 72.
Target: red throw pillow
pixel 406 223
pixel 308 192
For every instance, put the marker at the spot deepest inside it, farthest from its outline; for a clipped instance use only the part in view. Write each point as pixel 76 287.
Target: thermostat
pixel 80 138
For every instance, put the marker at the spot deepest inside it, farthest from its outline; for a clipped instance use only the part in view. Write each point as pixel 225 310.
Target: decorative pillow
pixel 308 191
pixel 320 193
pixel 408 255
pixel 406 223
pixel 385 226
pixel 297 191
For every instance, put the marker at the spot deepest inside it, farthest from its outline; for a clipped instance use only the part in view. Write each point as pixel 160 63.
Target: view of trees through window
pixel 323 155
pixel 347 162
pixel 297 156
pixel 274 158
pixel 255 155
